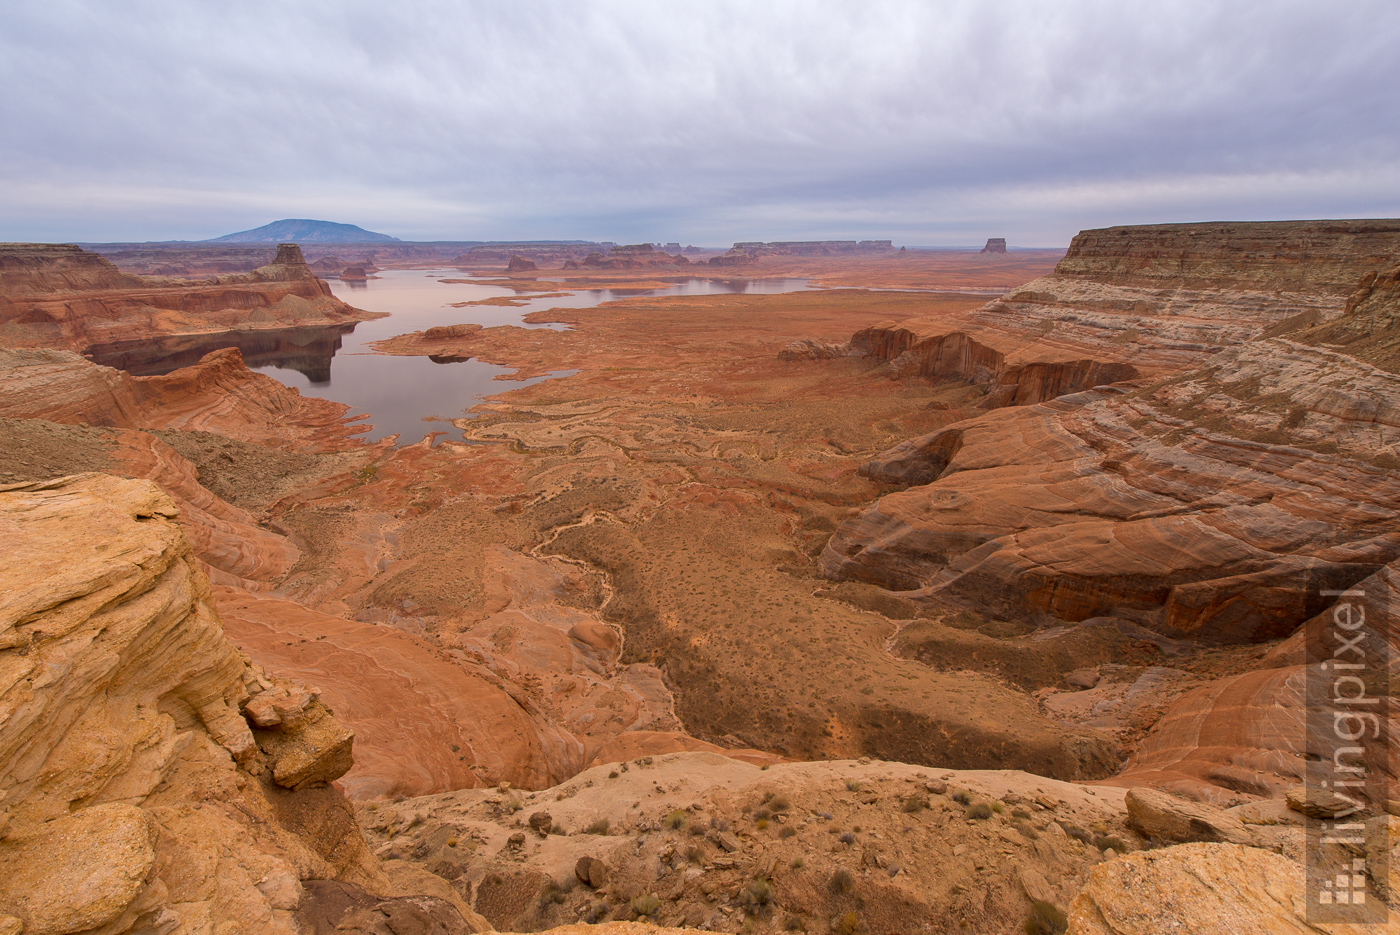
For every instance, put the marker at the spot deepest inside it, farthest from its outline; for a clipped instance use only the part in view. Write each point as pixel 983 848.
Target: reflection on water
pixel 404 396
pixel 308 351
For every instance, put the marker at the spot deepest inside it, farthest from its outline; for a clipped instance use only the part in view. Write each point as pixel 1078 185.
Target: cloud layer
pixel 926 122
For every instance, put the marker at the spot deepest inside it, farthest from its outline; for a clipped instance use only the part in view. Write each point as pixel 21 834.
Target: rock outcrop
pixel 218 394
pixel 57 295
pixel 1215 505
pixel 994 245
pixel 703 841
pixel 1205 889
pixel 520 264
pixel 136 795
pixel 1130 302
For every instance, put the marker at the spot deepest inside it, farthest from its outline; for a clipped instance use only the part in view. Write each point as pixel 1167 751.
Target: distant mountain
pixel 302 230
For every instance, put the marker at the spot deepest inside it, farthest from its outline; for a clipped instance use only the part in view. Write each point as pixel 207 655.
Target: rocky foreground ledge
pixel 156 781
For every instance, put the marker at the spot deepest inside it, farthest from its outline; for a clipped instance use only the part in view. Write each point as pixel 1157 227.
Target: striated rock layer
pixel 1130 302
pixel 152 779
pixel 57 295
pixel 1215 507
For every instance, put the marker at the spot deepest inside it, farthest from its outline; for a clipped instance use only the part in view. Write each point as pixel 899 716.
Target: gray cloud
pixel 929 122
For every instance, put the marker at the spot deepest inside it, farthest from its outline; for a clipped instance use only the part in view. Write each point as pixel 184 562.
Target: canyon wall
pixel 1130 302
pixel 1215 505
pixel 152 779
pixel 56 295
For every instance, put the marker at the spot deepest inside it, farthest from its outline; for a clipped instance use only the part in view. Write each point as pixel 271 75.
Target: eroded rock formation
pixel 137 797
pixel 56 295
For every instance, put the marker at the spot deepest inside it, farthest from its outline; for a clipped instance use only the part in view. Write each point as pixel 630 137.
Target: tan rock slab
pixel 1164 817
pixel 79 872
pixel 1204 889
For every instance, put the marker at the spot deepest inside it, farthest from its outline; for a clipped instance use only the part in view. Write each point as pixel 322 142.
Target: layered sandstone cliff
pixel 1129 302
pixel 57 295
pixel 1225 504
pixel 152 779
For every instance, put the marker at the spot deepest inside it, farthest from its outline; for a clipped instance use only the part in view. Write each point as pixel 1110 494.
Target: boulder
pixel 313 749
pixel 1162 817
pixel 591 871
pixel 1319 803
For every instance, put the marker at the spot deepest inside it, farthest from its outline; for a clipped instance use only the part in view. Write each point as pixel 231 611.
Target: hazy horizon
pixel 935 124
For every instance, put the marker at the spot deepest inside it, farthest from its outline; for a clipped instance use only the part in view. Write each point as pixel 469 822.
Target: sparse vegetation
pixel 980 811
pixel 645 905
pixel 852 785
pixel 796 863
pixel 1104 841
pixel 847 838
pixel 786 831
pixel 1045 919
pixel 675 820
pixel 1076 832
pixel 962 798
pixel 598 827
pixel 915 803
pixel 758 896
pixel 847 924
pixel 841 882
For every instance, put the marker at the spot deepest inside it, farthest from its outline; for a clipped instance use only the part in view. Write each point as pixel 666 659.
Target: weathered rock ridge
pixel 1132 302
pixel 1213 507
pixel 57 295
pixel 152 778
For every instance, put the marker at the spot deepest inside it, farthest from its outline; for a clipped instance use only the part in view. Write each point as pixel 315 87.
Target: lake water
pixel 404 396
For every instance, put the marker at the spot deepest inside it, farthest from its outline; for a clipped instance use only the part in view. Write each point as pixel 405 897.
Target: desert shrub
pixel 761 824
pixel 980 811
pixel 780 803
pixel 1045 919
pixel 762 813
pixel 915 803
pixel 848 924
pixel 1076 832
pixel 694 854
pixel 852 785
pixel 1099 827
pixel 794 924
pixel 719 824
pixel 797 863
pixel 787 831
pixel 645 905
pixel 596 913
pixel 697 830
pixel 841 882
pixel 614 774
pixel 675 820
pixel 1026 830
pixel 998 808
pixel 598 827
pixel 1104 841
pixel 962 798
pixel 758 895
pixel 1021 813
pixel 847 838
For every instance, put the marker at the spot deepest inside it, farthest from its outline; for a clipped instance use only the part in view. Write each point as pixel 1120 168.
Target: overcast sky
pixel 934 122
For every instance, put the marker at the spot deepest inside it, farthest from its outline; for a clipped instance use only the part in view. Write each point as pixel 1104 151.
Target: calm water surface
pixel 403 396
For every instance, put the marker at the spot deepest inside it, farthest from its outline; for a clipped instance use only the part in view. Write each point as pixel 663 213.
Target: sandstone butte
pixel 847 611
